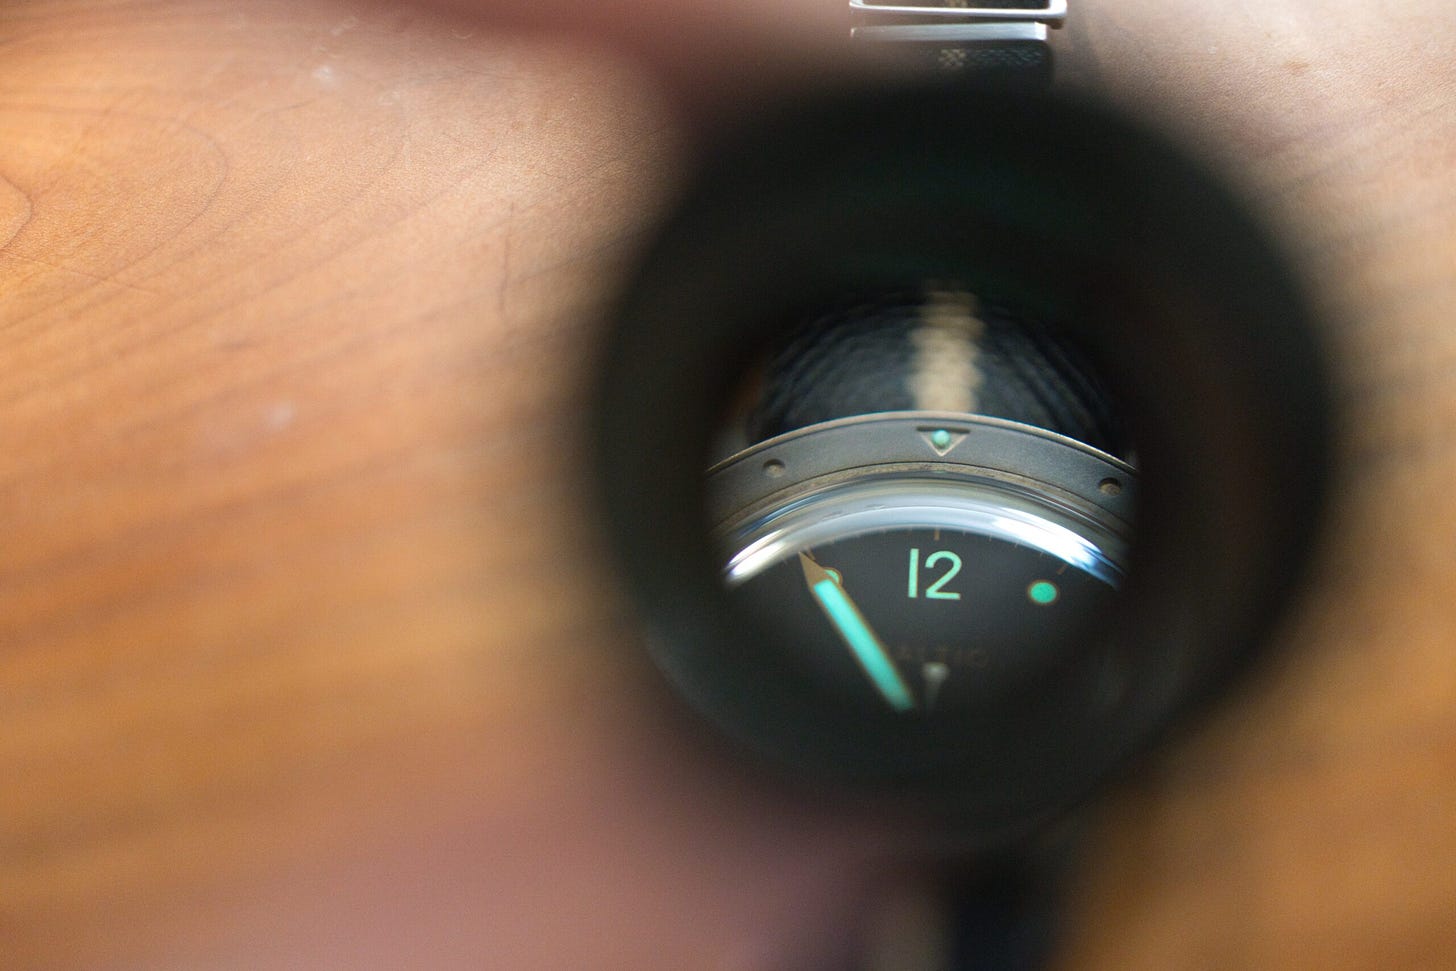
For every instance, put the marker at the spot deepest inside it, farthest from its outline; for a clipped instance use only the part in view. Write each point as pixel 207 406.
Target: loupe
pixel 956 443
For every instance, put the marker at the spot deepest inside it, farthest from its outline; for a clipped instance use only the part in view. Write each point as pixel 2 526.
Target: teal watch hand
pixel 856 633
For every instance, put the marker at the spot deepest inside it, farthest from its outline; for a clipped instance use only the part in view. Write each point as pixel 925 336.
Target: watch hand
pixel 856 633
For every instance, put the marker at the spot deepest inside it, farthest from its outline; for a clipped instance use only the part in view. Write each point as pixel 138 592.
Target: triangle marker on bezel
pixel 942 440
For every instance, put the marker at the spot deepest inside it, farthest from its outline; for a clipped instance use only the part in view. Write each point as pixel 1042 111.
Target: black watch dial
pixel 926 614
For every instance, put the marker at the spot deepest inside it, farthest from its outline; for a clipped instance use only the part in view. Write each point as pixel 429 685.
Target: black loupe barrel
pixel 1067 213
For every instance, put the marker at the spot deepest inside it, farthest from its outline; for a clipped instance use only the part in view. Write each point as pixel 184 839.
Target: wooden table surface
pixel 308 656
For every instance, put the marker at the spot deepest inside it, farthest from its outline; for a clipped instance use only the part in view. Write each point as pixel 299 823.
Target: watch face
pixel 920 593
pixel 927 616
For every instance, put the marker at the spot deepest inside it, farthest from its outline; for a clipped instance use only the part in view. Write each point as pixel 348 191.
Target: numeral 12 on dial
pixel 936 590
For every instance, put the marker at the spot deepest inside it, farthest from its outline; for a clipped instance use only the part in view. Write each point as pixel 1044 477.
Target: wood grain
pixel 308 657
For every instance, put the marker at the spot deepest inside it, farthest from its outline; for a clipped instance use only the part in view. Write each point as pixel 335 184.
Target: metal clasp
pixel 954 25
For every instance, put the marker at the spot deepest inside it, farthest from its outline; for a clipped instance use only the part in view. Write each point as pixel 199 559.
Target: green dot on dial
pixel 1042 592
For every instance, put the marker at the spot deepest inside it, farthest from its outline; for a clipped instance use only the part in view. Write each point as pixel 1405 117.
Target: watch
pixel 957 440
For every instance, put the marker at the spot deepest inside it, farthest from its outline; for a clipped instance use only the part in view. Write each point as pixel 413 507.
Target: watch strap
pixel 932 349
